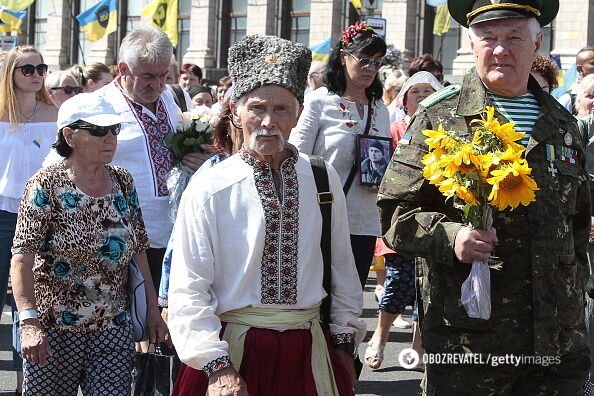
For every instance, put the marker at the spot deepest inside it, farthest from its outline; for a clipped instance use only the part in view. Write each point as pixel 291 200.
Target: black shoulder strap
pixel 180 99
pixel 325 199
pixel 351 176
pixel 573 96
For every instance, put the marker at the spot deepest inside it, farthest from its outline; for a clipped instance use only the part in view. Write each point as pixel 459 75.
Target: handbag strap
pixel 325 200
pixel 180 99
pixel 351 176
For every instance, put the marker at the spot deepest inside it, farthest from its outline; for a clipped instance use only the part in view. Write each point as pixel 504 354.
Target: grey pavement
pixel 389 380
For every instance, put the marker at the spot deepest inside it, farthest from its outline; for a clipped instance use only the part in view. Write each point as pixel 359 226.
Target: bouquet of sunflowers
pixel 486 172
pixel 195 129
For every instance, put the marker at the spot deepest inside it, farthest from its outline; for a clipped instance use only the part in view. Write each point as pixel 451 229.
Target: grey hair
pixel 585 85
pixel 533 27
pixel 241 102
pixel 147 43
pixel 54 79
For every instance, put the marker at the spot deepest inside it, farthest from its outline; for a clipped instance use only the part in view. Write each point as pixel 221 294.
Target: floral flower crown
pixel 352 31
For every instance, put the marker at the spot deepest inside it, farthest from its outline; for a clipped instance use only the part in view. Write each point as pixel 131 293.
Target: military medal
pixel 567 139
pixel 552 169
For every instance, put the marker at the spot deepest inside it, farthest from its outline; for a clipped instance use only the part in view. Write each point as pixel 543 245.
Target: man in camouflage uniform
pixel 538 278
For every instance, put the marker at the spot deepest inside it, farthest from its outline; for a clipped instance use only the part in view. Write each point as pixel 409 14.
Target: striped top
pixel 522 110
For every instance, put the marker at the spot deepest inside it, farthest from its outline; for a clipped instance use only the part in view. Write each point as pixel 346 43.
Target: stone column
pixel 203 28
pixel 326 20
pixel 401 25
pixel 103 51
pixel 261 17
pixel 574 29
pixel 465 60
pixel 59 25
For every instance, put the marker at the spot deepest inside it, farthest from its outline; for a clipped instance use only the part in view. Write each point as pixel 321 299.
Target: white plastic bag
pixel 476 291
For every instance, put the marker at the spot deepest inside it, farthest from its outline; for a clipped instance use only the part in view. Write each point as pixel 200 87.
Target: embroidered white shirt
pixel 233 249
pixel 328 127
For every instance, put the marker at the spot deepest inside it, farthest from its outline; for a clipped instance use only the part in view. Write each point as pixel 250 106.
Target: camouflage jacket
pixel 538 285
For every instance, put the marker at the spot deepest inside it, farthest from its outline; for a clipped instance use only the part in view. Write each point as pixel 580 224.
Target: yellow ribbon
pixel 501 6
pixel 239 322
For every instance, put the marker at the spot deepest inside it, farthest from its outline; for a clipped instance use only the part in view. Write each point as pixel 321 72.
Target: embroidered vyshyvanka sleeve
pixel 34 218
pixel 304 135
pixel 347 295
pixel 193 323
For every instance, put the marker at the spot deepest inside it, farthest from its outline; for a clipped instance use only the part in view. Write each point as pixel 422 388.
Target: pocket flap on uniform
pixel 567 259
pixel 410 155
pixel 567 169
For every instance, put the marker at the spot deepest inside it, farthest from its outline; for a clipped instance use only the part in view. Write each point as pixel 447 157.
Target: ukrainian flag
pixel 321 51
pixel 99 20
pixel 163 14
pixel 16 5
pixel 11 20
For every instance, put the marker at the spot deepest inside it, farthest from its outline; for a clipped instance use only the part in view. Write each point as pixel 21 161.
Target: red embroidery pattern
pixel 217 365
pixel 155 130
pixel 279 259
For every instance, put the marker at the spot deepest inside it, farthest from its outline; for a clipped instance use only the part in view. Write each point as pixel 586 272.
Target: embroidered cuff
pixel 163 302
pixel 217 365
pixel 343 338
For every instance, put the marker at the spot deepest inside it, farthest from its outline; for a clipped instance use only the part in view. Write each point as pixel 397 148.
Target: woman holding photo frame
pixel 333 116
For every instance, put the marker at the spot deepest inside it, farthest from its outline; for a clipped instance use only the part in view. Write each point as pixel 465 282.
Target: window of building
pixel 82 45
pixel 183 27
pixel 238 20
pixel 40 26
pixel 299 15
pixel 133 15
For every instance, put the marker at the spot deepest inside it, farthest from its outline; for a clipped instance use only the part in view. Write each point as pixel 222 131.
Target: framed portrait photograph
pixel 373 155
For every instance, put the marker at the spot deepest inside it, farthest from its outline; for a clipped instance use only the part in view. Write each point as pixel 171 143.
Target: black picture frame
pixel 370 173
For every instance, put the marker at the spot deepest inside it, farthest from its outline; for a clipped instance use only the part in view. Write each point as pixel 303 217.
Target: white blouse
pixel 23 151
pixel 328 127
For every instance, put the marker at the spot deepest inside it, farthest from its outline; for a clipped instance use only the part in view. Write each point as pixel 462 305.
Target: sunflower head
pixel 512 185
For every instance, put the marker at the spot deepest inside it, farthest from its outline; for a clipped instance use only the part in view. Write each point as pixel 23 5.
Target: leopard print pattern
pixel 82 246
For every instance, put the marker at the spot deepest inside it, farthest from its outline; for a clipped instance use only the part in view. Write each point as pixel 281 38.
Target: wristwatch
pixel 348 347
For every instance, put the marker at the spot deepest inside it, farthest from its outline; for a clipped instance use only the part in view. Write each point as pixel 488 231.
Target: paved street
pixel 389 380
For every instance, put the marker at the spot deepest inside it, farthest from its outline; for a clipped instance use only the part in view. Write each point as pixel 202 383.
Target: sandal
pixel 374 353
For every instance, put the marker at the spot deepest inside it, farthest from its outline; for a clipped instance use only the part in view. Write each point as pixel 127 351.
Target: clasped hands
pixel 474 245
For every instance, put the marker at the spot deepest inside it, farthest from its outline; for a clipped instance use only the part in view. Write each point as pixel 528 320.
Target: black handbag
pixel 154 373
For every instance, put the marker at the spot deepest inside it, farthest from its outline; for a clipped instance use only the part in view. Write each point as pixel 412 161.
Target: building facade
pixel 208 27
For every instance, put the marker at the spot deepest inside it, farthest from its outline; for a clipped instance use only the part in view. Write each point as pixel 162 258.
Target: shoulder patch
pixel 440 95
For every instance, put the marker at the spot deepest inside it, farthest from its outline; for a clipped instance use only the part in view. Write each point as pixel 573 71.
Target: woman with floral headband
pixel 332 117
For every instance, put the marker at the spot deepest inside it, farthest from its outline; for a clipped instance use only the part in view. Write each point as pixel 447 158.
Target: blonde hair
pixel 392 86
pixel 586 86
pixel 8 99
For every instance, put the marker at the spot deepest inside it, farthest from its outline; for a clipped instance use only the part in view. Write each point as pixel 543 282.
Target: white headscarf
pixel 421 77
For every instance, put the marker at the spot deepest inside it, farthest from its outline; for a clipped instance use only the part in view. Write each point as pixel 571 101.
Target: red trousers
pixel 273 364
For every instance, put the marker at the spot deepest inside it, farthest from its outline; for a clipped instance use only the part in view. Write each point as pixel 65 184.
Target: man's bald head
pixel 585 61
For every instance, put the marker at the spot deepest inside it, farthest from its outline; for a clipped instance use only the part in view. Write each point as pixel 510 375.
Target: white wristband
pixel 27 314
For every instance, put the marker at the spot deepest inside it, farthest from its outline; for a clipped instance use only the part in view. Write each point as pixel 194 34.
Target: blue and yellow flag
pixel 16 5
pixel 11 21
pixel 99 20
pixel 321 51
pixel 356 3
pixel 163 14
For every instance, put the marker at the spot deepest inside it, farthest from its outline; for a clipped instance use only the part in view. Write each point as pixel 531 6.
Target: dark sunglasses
pixel 68 89
pixel 29 69
pixel 96 130
pixel 368 62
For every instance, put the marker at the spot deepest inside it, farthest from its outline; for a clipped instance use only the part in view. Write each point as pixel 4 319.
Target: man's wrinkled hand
pixel 226 382
pixel 193 161
pixel 474 245
pixel 34 345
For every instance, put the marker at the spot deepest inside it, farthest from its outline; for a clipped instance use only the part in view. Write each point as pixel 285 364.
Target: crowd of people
pixel 258 284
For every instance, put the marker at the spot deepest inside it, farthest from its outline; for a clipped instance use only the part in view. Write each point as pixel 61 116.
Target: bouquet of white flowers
pixel 195 129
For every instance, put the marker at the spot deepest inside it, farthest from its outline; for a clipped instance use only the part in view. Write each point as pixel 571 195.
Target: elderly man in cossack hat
pixel 535 340
pixel 247 273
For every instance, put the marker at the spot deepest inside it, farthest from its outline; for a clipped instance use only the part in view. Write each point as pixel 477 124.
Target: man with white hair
pixel 247 277
pixel 138 94
pixel 535 341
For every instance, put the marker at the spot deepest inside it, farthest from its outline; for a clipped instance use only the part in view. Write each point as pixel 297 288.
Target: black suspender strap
pixel 179 98
pixel 325 200
pixel 353 172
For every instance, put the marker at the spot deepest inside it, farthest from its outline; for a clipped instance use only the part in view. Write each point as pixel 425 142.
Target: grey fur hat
pixel 256 60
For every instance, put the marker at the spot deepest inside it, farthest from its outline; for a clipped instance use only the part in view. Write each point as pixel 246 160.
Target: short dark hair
pixel 60 145
pixel 366 43
pixel 547 68
pixel 191 68
pixel 425 62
